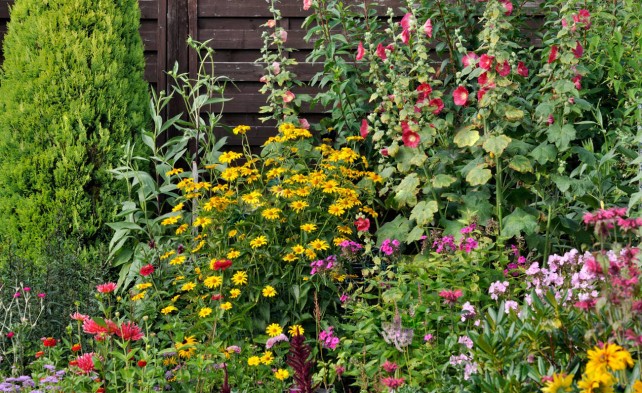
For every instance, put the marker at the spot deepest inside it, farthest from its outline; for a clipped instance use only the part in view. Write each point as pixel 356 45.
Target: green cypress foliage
pixel 71 94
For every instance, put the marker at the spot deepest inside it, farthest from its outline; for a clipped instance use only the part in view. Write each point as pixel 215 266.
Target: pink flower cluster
pixel 328 339
pixel 604 220
pixel 388 247
pixel 127 331
pixel 446 244
pixel 497 289
pixel 450 297
pixel 323 265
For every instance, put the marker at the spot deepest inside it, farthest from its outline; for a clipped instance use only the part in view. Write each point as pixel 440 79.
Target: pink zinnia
pixel 85 362
pixel 106 288
pixel 90 326
pixel 486 61
pixel 147 270
pixel 129 331
pixel 363 130
pixel 428 28
pixel 438 104
pixel 553 55
pixel 460 96
pixel 360 51
pixel 522 69
pixel 79 317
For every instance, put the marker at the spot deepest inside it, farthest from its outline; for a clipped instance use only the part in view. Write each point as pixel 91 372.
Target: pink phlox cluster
pixel 272 341
pixel 497 288
pixel 394 333
pixel 465 341
pixel 328 339
pixel 470 367
pixel 447 244
pixel 444 244
pixel 323 265
pixel 467 312
pixel 388 247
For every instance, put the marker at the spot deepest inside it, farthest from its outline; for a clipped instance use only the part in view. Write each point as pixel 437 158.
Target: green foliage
pixel 71 94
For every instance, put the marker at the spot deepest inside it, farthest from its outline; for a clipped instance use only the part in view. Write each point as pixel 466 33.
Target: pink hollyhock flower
pixel 503 69
pixel 578 51
pixel 409 137
pixel 428 28
pixel 303 123
pixel 307 4
pixel 405 36
pixel 469 59
pixel 486 61
pixel 577 80
pixel 271 23
pixel 147 270
pixel 263 79
pixel 282 35
pixel 85 363
pixel 389 366
pixel 553 55
pixel 522 69
pixel 584 16
pixel 381 52
pixel 288 96
pixel 276 68
pixel 106 288
pixel 482 79
pixel 436 103
pixel 129 331
pixel 362 224
pixel 424 91
pixel 360 51
pixel 363 130
pixel 460 96
pixel 407 23
pixel 508 7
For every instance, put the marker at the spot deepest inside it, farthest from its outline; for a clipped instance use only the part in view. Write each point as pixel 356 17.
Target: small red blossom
pixel 142 363
pixel 486 61
pixel 503 69
pixel 363 130
pixel 389 366
pixel 360 51
pixel 460 96
pixel 39 354
pixel 409 137
pixel 106 288
pixel 482 79
pixel 450 297
pixel 217 296
pixel 438 104
pixel 42 295
pixel 584 17
pixel 522 69
pixel 147 270
pixel 76 348
pixel 481 93
pixel 10 335
pixel 578 51
pixel 381 51
pixel 552 56
pixel 393 383
pixel 49 342
pixel 424 91
pixel 221 264
pixel 362 224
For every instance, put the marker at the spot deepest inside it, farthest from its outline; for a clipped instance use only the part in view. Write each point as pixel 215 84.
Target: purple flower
pixel 497 288
pixel 273 341
pixel 467 312
pixel 328 339
pixel 466 341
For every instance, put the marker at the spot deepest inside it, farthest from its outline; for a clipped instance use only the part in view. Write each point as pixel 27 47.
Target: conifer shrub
pixel 72 94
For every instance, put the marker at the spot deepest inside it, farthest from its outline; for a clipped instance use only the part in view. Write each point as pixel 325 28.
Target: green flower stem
pixel 498 193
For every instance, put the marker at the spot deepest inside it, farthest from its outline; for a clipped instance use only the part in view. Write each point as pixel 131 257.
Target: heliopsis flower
pixel 558 381
pixel 273 330
pixel 298 249
pixel 267 358
pixel 202 222
pixel 609 357
pixel 171 220
pixel 240 130
pixel 178 260
pixel 232 254
pixel 174 171
pixel 637 387
pixel 344 229
pixel 167 255
pixel 309 227
pixel 298 206
pixel 310 254
pixel 178 207
pixel 271 214
pixel 213 281
pixel 268 291
pixel 234 293
pixel 143 285
pixel 336 210
pixel 168 310
pixel 290 258
pixel 239 278
pixel 139 296
pixel 258 242
pixel 319 245
pixel 281 374
pixel 198 247
pixel 598 382
pixel 296 330
pixel 253 361
pixel 225 306
pixel 186 348
pixel 188 286
pixel 228 156
pixel 204 312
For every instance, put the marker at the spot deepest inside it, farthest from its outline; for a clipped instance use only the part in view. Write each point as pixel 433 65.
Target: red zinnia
pixel 362 224
pixel 142 363
pixel 129 331
pixel 486 61
pixel 522 69
pixel 460 96
pixel 221 264
pixel 39 354
pixel 85 363
pixel 49 342
pixel 106 288
pixel 553 55
pixel 147 270
pixel 360 51
pixel 76 347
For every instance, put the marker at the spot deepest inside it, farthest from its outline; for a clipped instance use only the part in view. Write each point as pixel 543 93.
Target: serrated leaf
pixel 561 136
pixel 479 175
pixel 441 180
pixel 424 212
pixel 544 152
pixel 466 137
pixel 406 191
pixel 520 164
pixel 517 222
pixel 496 144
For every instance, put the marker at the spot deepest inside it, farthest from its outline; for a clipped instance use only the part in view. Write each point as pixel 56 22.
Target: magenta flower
pixel 409 137
pixel 552 56
pixel 486 61
pixel 106 288
pixel 508 7
pixel 360 51
pixel 503 69
pixel 389 366
pixel 450 297
pixel 469 59
pixel 42 295
pixel 522 69
pixel 436 103
pixel 460 96
pixel 363 130
pixel 428 28
pixel 578 51
pixel 393 383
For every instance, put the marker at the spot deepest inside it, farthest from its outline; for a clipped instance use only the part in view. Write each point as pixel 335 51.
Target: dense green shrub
pixel 71 94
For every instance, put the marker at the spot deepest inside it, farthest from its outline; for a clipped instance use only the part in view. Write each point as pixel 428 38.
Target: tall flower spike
pixel 299 359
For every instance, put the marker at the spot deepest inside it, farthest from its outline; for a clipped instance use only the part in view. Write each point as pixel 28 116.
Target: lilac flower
pixel 497 288
pixel 469 369
pixel 466 341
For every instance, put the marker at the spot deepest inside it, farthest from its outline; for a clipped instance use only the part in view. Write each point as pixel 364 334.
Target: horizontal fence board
pixel 259 8
pixel 253 71
pixel 248 39
pixel 151 66
pixel 149 34
pixel 148 9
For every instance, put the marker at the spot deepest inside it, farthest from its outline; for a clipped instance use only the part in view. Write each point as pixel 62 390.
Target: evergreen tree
pixel 71 94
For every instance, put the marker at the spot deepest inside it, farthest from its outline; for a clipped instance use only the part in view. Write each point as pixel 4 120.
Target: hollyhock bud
pixel 522 69
pixel 384 152
pixel 288 97
pixel 276 68
pixel 360 51
pixel 364 128
pixel 460 96
pixel 304 124
pixel 551 120
pixel 271 23
pixel 428 28
pixel 508 6
pixel 263 79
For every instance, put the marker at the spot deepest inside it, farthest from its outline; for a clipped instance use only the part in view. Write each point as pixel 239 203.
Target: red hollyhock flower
pixel 438 104
pixel 469 59
pixel 584 16
pixel 428 28
pixel 482 79
pixel 508 6
pixel 49 342
pixel 424 90
pixel 221 264
pixel 482 92
pixel 486 61
pixel 577 80
pixel 578 51
pixel 364 128
pixel 362 224
pixel 142 363
pixel 522 69
pixel 147 270
pixel 381 51
pixel 503 69
pixel 409 137
pixel 360 51
pixel 553 55
pixel 129 331
pixel 106 288
pixel 460 96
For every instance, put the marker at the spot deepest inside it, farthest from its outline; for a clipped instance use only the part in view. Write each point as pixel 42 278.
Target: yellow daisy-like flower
pixel 213 281
pixel 168 310
pixel 178 207
pixel 370 211
pixel 253 198
pixel 240 130
pixel 175 298
pixel 143 285
pixel 198 247
pixel 188 286
pixel 336 210
pixel 298 206
pixel 178 260
pixel 167 254
pixel 205 311
pixel 254 361
pixel 258 242
pixel 174 171
pixel 273 330
pixel 139 296
pixel 598 382
pixel 319 245
pixel 637 387
pixel 268 291
pixel 560 381
pixel 344 229
pixel 181 229
pixel 239 278
pixel 186 348
pixel 170 361
pixel 271 214
pixel 330 186
pixel 229 156
pixel 309 227
pixel 298 249
pixel 171 220
pixel 226 306
pixel 290 258
pixel 296 330
pixel 267 358
pixel 610 357
pixel 232 254
pixel 232 233
pixel 234 293
pixel 281 374
pixel 310 254
pixel 202 222
pixel 338 240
